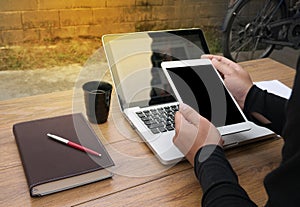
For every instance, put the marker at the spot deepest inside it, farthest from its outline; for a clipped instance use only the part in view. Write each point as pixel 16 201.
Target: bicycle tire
pixel 247 27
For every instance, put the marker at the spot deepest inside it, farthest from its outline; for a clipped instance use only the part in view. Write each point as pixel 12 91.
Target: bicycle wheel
pixel 248 28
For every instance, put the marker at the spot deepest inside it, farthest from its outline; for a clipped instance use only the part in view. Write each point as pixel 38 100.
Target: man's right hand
pixel 193 131
pixel 236 79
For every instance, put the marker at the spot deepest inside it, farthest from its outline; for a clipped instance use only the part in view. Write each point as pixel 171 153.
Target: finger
pixel 228 62
pixel 209 56
pixel 179 123
pixel 189 114
pixel 222 66
pixel 178 118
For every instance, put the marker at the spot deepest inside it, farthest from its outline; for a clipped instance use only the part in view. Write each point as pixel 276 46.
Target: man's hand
pixel 236 79
pixel 193 132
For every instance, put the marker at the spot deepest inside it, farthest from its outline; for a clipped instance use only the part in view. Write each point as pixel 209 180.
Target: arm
pixel 201 143
pixel 218 180
pixel 282 185
pixel 260 102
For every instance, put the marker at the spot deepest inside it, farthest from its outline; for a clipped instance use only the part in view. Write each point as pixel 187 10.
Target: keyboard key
pixel 175 107
pixel 170 127
pixel 145 119
pixel 155 131
pixel 146 112
pixel 140 114
pixel 160 110
pixel 162 129
pixel 155 125
pixel 147 122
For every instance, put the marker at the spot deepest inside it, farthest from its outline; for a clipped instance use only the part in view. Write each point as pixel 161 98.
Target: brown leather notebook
pixel 51 166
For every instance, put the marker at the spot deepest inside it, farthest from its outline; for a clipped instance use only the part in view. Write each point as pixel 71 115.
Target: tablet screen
pixel 200 87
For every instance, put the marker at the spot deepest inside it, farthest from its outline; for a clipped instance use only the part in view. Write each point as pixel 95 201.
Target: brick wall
pixel 37 20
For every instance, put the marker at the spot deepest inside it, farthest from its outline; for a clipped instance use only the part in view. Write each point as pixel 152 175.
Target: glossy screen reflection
pixel 136 58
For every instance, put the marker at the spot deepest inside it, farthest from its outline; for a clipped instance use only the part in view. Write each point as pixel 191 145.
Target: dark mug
pixel 97 95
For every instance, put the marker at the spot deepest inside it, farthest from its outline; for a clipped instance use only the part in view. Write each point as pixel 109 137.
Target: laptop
pixel 144 94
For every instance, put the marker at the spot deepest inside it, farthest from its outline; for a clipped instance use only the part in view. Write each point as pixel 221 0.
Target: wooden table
pixel 139 180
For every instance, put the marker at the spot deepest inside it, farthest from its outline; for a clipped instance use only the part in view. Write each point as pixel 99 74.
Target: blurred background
pixel 44 44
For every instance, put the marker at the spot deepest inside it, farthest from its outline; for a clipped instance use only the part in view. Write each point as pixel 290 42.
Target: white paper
pixel 275 87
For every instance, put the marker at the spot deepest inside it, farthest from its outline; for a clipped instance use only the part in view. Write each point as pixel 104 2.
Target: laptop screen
pixel 135 62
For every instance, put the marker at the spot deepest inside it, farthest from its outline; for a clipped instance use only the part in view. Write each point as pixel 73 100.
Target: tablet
pixel 197 83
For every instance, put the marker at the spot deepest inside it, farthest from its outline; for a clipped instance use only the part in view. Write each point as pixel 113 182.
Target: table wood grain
pixel 140 179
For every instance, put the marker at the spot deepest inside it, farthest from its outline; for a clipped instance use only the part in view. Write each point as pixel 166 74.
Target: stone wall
pixel 38 20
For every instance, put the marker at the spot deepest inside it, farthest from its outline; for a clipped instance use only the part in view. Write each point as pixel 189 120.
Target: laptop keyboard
pixel 159 120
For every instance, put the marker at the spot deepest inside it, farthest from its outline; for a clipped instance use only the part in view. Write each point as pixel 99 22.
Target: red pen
pixel 72 144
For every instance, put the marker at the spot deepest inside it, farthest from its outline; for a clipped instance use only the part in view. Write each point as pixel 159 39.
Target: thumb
pixel 185 133
pixel 178 120
pixel 189 114
pixel 221 67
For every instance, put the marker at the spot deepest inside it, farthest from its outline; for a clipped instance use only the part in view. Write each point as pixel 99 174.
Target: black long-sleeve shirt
pixel 220 182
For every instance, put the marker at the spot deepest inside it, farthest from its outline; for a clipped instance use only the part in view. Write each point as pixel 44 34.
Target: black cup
pixel 97 95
